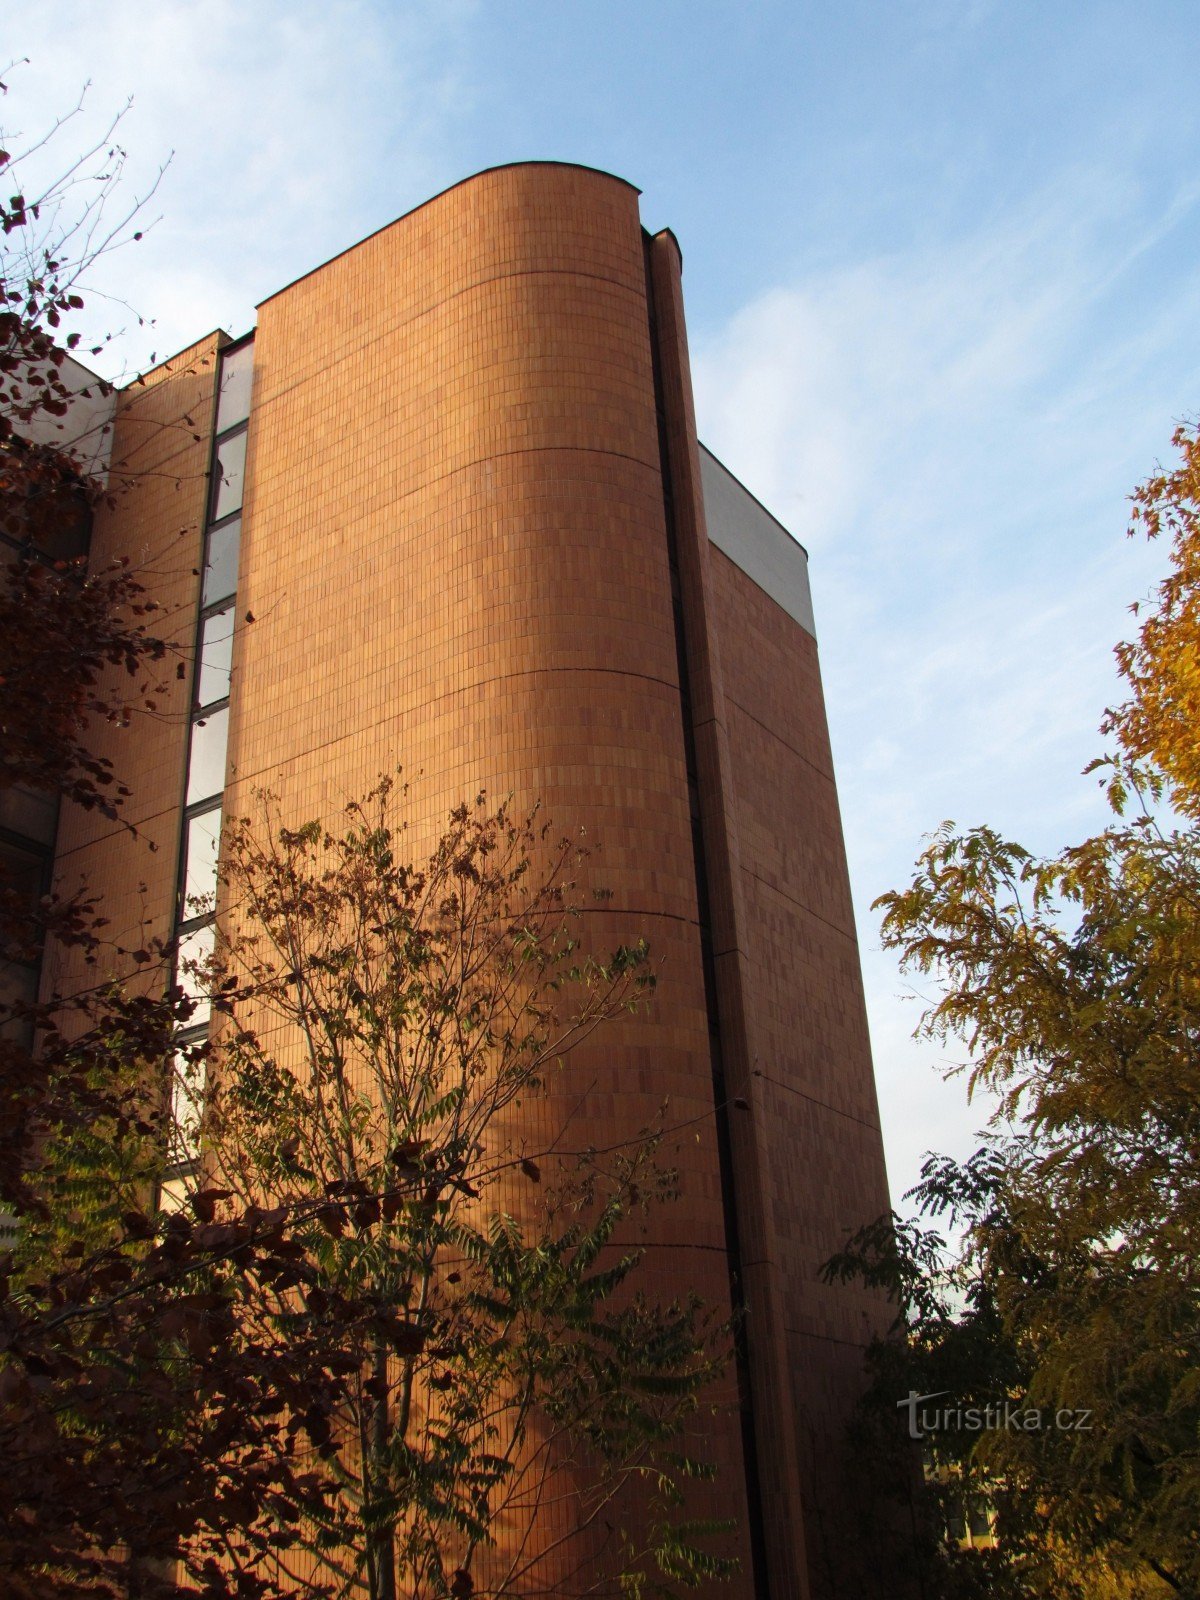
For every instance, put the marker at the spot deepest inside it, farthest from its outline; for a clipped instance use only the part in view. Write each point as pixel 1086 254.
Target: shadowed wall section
pixel 804 1148
pixel 158 486
pixel 819 1148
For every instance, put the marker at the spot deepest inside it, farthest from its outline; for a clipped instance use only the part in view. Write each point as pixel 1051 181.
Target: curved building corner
pixel 454 478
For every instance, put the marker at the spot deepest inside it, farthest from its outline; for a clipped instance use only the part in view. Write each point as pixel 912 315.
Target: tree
pixel 1075 983
pixel 75 646
pixel 137 1422
pixel 1158 724
pixel 385 1023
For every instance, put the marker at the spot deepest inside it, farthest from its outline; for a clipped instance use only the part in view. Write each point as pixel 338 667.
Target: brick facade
pixel 157 487
pixel 472 486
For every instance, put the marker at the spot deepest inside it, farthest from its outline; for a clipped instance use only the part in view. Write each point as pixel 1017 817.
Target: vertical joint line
pixel 750 1461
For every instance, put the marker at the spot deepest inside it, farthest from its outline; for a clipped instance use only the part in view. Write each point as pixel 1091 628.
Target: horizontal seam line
pixel 851 937
pixel 799 755
pixel 477 461
pixel 482 683
pixel 829 1338
pixel 788 1088
pixel 433 305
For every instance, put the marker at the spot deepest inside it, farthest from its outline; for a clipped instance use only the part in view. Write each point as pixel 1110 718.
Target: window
pixel 202 839
pixel 229 472
pixel 188 1080
pixel 195 950
pixel 216 657
pixel 206 763
pixel 25 811
pixel 237 377
pixel 200 846
pixel 221 561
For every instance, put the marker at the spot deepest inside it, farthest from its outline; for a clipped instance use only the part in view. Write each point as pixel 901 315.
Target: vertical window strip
pixel 208 730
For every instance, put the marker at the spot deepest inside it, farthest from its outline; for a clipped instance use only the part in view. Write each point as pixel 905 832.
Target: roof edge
pixel 669 233
pixel 766 510
pixel 502 166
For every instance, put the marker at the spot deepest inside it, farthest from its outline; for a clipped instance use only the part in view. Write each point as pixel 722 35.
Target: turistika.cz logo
pixel 1013 1415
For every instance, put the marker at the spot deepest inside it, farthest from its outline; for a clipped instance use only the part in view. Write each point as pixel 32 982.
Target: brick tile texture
pixel 455 553
pixel 454 548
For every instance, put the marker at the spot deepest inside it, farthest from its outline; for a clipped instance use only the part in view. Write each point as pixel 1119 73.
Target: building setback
pixel 454 479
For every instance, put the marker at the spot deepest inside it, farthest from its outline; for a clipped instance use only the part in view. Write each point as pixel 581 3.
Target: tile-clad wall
pixel 805 1142
pixel 822 1147
pixel 158 484
pixel 779 1529
pixel 454 549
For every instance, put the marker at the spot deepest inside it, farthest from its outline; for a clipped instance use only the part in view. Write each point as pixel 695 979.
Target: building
pixel 446 505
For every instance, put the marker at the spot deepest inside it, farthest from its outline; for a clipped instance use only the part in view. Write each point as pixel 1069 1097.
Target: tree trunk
pixel 381 1543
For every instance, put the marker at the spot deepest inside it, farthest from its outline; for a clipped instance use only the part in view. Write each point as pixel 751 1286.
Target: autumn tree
pixel 76 646
pixel 389 1026
pixel 138 1419
pixel 1074 982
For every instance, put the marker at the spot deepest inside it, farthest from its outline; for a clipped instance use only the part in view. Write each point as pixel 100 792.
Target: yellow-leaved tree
pixel 1160 723
pixel 1070 1294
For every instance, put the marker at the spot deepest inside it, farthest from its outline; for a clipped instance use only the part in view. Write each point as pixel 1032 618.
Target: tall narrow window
pixel 199 849
pixel 201 844
pixel 216 657
pixel 221 562
pixel 229 472
pixel 237 376
pixel 206 766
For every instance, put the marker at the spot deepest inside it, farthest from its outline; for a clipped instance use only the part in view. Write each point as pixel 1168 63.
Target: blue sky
pixel 940 264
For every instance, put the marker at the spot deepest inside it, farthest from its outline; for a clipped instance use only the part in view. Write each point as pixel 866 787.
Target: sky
pixel 939 260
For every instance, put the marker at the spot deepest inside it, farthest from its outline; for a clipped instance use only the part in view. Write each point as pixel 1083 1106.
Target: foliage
pixel 1074 981
pixel 60 633
pixel 1162 666
pixel 55 226
pixel 137 1423
pixel 61 627
pixel 391 1030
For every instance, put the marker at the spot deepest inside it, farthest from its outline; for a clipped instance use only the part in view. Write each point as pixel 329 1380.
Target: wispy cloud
pixel 296 128
pixel 950 428
pixel 952 432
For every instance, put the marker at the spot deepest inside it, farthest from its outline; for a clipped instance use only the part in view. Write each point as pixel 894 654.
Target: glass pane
pixel 195 948
pixel 237 373
pixel 18 988
pixel 229 469
pixel 174 1193
pixel 68 533
pixel 187 1102
pixel 216 655
pixel 25 811
pixel 206 766
pixel 221 568
pixel 200 864
pixel 23 872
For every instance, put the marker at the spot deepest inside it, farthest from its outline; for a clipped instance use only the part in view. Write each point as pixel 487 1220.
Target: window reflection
pixel 195 950
pixel 221 567
pixel 229 471
pixel 188 1080
pixel 206 765
pixel 237 375
pixel 28 812
pixel 200 864
pixel 216 656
